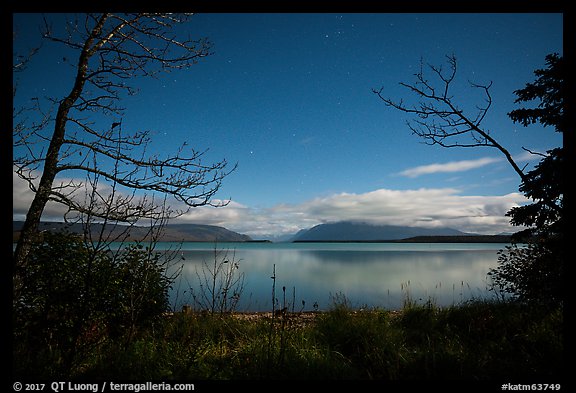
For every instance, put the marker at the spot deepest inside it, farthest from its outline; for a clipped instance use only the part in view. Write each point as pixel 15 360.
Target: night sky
pixel 288 97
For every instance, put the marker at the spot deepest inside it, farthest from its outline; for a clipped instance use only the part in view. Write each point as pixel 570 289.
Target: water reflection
pixel 366 276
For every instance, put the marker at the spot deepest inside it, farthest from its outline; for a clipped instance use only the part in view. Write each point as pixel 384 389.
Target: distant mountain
pixel 172 232
pixel 353 231
pixel 202 233
pixel 471 238
pixel 283 238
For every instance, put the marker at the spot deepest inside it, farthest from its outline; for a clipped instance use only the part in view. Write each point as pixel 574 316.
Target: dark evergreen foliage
pixel 534 273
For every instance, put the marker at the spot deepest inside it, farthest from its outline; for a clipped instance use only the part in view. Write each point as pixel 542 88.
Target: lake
pixel 312 276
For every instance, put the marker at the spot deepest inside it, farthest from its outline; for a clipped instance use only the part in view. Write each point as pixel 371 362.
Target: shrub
pixel 532 274
pixel 74 298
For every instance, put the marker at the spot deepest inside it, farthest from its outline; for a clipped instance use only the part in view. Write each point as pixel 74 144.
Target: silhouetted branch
pixel 113 50
pixel 439 120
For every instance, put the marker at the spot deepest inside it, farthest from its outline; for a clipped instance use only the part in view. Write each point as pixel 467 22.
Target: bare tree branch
pixel 112 50
pixel 437 118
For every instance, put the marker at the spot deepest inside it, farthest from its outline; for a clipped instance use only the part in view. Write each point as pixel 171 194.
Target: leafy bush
pixel 74 298
pixel 531 274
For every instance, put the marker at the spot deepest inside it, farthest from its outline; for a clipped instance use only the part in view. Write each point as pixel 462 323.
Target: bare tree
pixel 439 120
pixel 112 50
pixel 108 284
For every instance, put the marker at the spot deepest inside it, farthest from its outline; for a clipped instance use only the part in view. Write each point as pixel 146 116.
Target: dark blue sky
pixel 288 97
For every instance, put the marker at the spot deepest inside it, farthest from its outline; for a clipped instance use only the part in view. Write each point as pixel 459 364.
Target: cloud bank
pixel 442 207
pixel 424 207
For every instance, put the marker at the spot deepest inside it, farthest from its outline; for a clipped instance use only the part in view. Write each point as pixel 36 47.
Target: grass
pixel 476 340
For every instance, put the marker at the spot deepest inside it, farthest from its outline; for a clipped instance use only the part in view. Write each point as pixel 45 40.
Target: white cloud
pixel 421 207
pixel 22 197
pixel 454 166
pixel 425 207
pixel 74 188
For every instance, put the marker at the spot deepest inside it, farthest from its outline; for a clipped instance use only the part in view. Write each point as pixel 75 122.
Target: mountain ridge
pixel 171 233
pixel 348 231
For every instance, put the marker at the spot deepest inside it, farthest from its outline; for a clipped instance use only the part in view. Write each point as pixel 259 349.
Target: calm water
pixel 366 274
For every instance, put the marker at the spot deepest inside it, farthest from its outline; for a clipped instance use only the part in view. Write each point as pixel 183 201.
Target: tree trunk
pixel 30 229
